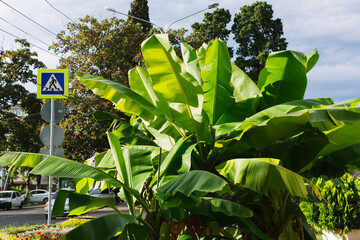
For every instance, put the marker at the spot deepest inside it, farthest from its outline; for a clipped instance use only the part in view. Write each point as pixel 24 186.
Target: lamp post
pixel 214 5
pixel 140 19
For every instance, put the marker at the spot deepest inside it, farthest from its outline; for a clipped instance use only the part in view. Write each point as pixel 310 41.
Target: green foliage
pixel 17 68
pixel 339 208
pixel 285 72
pixel 221 153
pixel 109 48
pixel 257 34
pixel 214 25
pixel 140 9
pixel 19 133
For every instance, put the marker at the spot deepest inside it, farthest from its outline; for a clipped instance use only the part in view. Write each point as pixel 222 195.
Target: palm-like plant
pixel 217 145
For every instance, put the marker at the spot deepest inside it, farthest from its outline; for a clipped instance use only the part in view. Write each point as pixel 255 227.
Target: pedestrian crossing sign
pixel 52 83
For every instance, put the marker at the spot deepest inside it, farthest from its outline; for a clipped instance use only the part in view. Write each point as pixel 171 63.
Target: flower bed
pixel 40 232
pixel 44 232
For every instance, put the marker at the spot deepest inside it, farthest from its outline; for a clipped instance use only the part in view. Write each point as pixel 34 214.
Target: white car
pixel 106 193
pixel 66 207
pixel 38 195
pixel 9 199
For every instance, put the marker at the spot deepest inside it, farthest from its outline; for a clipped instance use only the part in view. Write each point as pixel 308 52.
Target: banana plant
pixel 262 138
pixel 226 157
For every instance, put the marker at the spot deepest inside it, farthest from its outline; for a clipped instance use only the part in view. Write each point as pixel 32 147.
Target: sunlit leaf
pixel 262 175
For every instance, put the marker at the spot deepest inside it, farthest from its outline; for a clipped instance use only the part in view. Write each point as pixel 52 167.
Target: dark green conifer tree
pixel 140 9
pixel 257 34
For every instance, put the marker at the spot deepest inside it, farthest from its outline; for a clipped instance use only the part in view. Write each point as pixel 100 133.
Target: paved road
pixel 34 214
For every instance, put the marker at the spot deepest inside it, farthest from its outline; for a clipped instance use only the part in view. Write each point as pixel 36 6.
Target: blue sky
pixel 331 26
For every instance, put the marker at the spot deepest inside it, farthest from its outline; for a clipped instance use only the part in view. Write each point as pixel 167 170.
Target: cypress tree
pixel 140 9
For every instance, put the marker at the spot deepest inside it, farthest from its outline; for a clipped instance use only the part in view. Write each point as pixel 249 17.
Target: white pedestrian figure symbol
pixel 52 84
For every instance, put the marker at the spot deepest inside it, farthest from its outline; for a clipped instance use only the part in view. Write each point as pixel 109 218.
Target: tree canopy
pixel 214 25
pixel 140 9
pixel 257 34
pixel 16 69
pixel 107 48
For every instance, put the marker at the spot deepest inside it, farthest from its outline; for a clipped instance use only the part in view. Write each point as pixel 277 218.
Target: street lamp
pixel 140 19
pixel 214 5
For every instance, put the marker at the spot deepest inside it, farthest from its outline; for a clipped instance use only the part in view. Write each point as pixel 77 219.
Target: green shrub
pixel 339 208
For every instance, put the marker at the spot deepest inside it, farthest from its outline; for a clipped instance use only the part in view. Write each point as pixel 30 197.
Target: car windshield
pixel 5 194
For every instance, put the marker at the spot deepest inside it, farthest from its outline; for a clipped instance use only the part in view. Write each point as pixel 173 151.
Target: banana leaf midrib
pixel 182 90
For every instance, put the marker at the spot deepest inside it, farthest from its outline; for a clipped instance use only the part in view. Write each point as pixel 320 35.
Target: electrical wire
pixel 25 32
pixel 38 24
pixel 60 12
pixel 29 42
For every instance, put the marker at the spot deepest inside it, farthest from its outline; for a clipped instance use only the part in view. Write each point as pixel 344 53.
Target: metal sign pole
pixel 52 116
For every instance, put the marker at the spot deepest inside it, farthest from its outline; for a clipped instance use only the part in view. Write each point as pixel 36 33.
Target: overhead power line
pixel 24 32
pixel 29 43
pixel 38 24
pixel 60 12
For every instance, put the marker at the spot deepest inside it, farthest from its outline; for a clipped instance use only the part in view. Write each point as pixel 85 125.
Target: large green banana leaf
pixel 221 208
pixel 166 133
pixel 216 75
pixel 100 228
pixel 172 83
pixel 284 77
pixel 340 124
pixel 187 190
pixel 196 182
pixel 80 203
pixel 298 151
pixel 83 185
pixel 244 87
pixel 177 161
pixel 18 159
pixel 230 130
pixel 268 132
pixel 311 59
pixel 262 175
pixel 191 61
pixel 133 231
pixel 105 160
pixel 83 203
pixel 247 97
pixel 336 163
pixel 258 135
pixel 123 97
pixel 141 160
pixel 234 140
pixel 61 167
pixel 343 157
pixel 140 82
pixel 123 169
pixel 349 103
